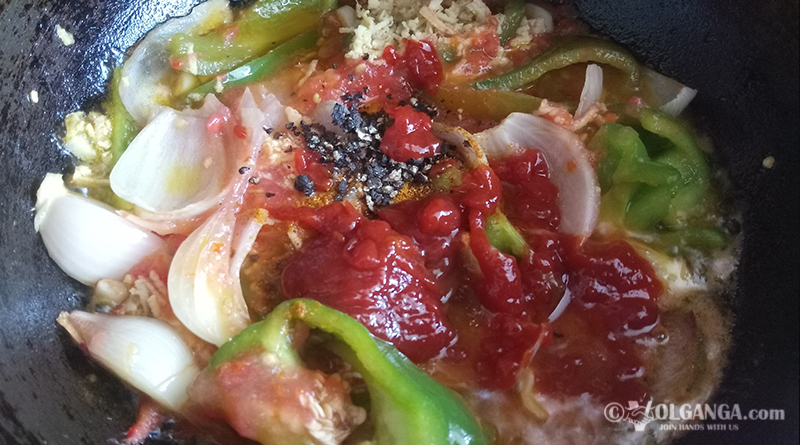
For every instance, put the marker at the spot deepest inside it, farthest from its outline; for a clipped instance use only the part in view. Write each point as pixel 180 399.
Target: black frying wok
pixel 741 54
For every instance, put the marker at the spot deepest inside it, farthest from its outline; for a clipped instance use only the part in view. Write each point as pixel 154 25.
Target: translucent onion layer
pixel 144 352
pixel 85 238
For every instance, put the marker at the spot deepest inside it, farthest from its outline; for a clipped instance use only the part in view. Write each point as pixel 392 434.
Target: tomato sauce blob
pixel 613 303
pixel 410 135
pixel 531 198
pixel 369 271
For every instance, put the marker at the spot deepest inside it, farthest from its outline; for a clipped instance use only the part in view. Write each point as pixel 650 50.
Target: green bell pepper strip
pixel 514 12
pixel 481 104
pixel 123 130
pixel 702 239
pixel 262 67
pixel 625 159
pixel 637 190
pixel 503 236
pixel 263 26
pixel 648 191
pixel 408 407
pixel 123 127
pixel 572 51
pixel 686 157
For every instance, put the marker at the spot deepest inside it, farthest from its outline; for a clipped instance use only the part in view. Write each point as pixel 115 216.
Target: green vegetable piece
pixel 625 159
pixel 263 26
pixel 408 407
pixel 702 239
pixel 685 156
pixel 448 53
pixel 639 191
pixel 123 127
pixel 649 206
pixel 123 130
pixel 262 67
pixel 514 13
pixel 503 236
pixel 570 52
pixel 481 104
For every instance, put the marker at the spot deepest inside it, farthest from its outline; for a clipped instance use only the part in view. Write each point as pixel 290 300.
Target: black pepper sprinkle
pixel 290 126
pixel 366 90
pixel 269 130
pixel 254 180
pixel 244 170
pixel 351 77
pixel 365 56
pixel 269 195
pixel 335 66
pixel 389 96
pixel 304 185
pixel 466 143
pixel 354 153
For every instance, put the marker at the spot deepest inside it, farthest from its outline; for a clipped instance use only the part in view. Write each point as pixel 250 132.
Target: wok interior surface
pixel 742 56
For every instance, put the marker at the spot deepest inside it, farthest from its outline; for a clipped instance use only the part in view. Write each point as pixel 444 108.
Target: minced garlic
pixel 88 135
pixel 66 37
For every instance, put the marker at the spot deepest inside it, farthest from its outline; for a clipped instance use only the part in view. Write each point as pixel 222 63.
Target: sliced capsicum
pixel 263 26
pixel 660 183
pixel 503 236
pixel 261 67
pixel 685 156
pixel 407 406
pixel 480 104
pixel 513 14
pixel 637 191
pixel 570 52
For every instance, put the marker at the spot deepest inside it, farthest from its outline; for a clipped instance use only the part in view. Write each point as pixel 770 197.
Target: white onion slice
pixel 347 14
pixel 144 72
pixel 592 89
pixel 178 163
pixel 202 292
pixel 671 96
pixel 144 352
pixel 681 101
pixel 560 307
pixel 87 239
pixel 244 240
pixel 184 163
pixel 567 160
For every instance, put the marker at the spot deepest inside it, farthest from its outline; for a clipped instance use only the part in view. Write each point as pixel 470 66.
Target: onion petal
pixel 85 238
pixel 178 164
pixel 184 163
pixel 670 96
pixel 592 89
pixel 567 160
pixel 202 292
pixel 143 352
pixel 145 71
